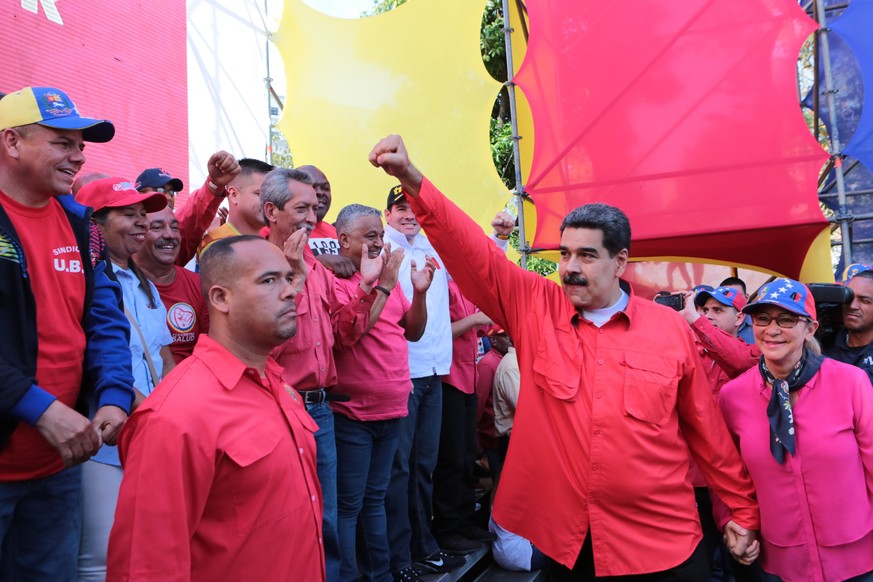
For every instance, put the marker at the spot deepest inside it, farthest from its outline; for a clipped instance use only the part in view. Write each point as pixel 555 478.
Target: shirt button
pixel 594 467
pixel 600 362
pixel 314 319
pixel 597 430
pixel 597 394
pixel 600 329
pixel 318 344
pixel 593 501
pixel 301 450
pixel 313 498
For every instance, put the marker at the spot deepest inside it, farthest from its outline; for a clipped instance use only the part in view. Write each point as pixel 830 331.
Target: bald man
pixel 323 239
pixel 219 463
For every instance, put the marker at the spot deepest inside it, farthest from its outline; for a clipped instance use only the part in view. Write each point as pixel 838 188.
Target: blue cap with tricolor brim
pixel 51 107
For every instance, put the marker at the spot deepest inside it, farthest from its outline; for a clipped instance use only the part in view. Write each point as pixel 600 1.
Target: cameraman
pixel 852 344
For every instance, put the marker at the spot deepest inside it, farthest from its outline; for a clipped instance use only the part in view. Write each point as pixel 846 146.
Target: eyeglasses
pixel 166 191
pixel 783 320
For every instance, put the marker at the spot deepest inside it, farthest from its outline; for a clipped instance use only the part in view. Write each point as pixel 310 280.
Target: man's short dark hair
pixel 216 266
pixel 249 166
pixel 731 281
pixel 611 221
pixel 864 275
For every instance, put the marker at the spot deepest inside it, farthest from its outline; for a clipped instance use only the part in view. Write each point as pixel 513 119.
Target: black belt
pixel 320 395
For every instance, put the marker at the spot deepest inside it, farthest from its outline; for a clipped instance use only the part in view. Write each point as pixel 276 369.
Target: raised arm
pixel 483 273
pixel 202 205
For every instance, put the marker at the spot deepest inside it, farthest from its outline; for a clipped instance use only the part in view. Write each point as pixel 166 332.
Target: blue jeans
pixel 410 493
pixel 325 444
pixel 364 453
pixel 40 520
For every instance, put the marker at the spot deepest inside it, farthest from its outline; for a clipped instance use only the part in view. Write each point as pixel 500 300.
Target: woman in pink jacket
pixel 804 427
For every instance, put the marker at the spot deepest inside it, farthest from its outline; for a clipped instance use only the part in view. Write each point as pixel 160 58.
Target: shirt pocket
pixel 261 478
pixel 650 387
pixel 556 373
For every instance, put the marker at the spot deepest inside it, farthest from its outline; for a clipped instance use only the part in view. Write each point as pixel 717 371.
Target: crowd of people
pixel 311 401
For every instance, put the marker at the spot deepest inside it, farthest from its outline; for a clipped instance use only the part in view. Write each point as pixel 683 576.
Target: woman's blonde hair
pixel 811 343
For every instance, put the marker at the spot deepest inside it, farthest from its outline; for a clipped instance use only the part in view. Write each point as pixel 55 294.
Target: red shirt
pixel 307 358
pixel 219 478
pixel 485 369
pixel 724 357
pixel 323 239
pixel 465 347
pixel 194 217
pixel 374 371
pixel 57 281
pixel 187 314
pixel 596 445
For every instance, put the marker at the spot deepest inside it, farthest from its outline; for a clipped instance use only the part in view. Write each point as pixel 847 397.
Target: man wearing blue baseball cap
pixel 715 328
pixel 196 215
pixel 77 348
pixel 854 343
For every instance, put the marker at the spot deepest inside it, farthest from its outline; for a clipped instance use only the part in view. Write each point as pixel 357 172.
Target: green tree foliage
pixel 501 151
pixel 534 263
pixel 382 6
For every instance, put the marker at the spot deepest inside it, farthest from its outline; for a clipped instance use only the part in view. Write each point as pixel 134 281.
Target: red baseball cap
pixel 116 193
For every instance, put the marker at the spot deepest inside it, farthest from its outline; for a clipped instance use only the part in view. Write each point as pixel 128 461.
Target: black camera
pixel 674 301
pixel 829 300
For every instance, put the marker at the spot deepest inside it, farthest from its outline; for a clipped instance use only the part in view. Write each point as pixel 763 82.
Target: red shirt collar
pixel 227 368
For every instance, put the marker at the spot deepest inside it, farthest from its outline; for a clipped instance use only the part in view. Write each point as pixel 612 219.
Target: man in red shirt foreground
pixel 612 397
pixel 219 462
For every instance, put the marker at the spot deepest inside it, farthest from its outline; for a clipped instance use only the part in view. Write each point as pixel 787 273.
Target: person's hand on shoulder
pixel 342 267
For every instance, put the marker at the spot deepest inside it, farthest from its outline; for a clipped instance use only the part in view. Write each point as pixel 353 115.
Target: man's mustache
pixel 575 279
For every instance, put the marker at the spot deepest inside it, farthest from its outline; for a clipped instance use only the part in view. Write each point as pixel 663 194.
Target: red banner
pixel 122 61
pixel 683 114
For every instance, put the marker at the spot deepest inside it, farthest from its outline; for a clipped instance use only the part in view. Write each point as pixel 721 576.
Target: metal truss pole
pixel 519 192
pixel 268 81
pixel 844 217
